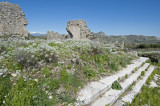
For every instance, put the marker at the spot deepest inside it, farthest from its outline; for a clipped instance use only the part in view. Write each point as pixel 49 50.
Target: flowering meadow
pixel 41 72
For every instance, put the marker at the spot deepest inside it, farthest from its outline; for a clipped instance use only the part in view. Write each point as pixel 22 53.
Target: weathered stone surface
pixel 56 36
pixel 12 20
pixel 78 29
pixel 53 35
pixel 95 89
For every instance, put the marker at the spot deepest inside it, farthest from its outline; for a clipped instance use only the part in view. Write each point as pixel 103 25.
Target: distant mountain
pixel 36 33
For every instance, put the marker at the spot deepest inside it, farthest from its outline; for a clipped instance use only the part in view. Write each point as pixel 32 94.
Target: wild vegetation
pixel 49 72
pixel 149 95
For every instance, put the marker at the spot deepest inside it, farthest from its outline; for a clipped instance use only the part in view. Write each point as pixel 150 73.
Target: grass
pixel 47 69
pixel 5 86
pixel 149 95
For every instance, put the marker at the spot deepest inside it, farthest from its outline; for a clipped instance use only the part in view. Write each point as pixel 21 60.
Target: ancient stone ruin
pixel 52 35
pixel 12 20
pixel 78 29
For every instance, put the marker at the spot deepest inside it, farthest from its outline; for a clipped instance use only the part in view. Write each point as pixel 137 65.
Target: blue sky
pixel 114 17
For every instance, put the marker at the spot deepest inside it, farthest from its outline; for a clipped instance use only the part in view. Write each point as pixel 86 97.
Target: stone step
pixel 110 97
pixel 136 89
pixel 95 89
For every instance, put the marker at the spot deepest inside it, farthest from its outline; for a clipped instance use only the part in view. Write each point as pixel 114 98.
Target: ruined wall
pixel 12 20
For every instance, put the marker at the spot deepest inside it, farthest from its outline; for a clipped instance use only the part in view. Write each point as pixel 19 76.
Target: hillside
pixel 128 39
pixel 56 70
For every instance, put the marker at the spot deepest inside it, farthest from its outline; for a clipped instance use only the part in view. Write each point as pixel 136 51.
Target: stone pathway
pixel 111 96
pixel 136 89
pixel 95 89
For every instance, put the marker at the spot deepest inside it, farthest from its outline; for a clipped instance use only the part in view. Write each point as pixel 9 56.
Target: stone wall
pixel 12 20
pixel 78 29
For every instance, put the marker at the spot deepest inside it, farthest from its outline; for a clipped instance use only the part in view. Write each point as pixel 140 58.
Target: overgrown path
pixel 93 91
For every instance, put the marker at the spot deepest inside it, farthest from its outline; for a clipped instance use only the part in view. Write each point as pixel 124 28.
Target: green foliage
pixel 126 76
pixel 143 63
pixel 10 64
pixel 136 69
pixel 148 96
pixel 113 50
pixel 148 61
pixel 142 73
pixel 116 85
pixel 52 44
pixel 65 98
pixel 142 46
pixel 147 68
pixel 5 86
pixel 70 82
pixel 69 67
pixel 52 84
pixel 119 78
pixel 114 66
pixel 156 71
pixel 89 72
pixel 130 87
pixel 46 71
pixel 2 49
pixel 27 93
pixel 34 59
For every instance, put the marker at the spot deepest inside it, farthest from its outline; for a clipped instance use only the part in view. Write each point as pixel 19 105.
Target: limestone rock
pixel 12 20
pixel 78 29
pixel 14 74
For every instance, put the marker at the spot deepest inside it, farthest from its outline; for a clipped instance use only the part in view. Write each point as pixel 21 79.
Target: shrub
pixel 142 73
pixel 143 63
pixel 25 59
pixel 89 72
pixel 116 85
pixel 119 78
pixel 69 67
pixel 126 76
pixel 146 69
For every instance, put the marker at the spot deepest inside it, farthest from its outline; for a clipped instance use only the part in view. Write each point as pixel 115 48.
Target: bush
pixel 126 76
pixel 136 69
pixel 89 72
pixel 25 59
pixel 142 73
pixel 119 78
pixel 116 85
